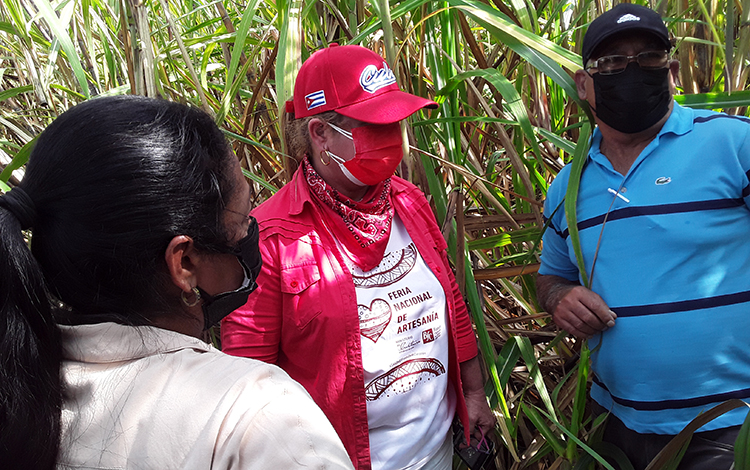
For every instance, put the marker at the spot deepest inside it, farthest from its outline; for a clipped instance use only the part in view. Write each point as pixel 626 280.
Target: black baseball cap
pixel 623 17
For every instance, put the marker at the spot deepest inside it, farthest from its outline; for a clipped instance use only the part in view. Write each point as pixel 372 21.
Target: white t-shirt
pixel 402 316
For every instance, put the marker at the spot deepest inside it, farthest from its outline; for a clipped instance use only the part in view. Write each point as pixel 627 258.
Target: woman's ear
pixel 318 131
pixel 181 262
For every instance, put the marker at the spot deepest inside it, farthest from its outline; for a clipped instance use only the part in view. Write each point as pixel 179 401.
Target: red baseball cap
pixel 355 82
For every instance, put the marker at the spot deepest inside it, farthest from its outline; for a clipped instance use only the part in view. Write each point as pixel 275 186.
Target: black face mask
pixel 634 100
pixel 217 307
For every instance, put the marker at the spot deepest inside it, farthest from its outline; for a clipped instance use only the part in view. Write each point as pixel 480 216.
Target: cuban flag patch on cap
pixel 313 100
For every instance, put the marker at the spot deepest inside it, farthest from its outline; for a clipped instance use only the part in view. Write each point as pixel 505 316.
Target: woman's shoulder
pixel 224 384
pixel 225 407
pixel 251 377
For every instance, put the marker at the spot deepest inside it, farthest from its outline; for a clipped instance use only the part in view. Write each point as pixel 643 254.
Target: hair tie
pixel 20 204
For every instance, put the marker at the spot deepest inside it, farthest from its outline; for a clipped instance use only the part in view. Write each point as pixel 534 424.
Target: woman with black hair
pixel 140 243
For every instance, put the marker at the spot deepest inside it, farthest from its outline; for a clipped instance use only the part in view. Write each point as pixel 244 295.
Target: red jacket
pixel 303 316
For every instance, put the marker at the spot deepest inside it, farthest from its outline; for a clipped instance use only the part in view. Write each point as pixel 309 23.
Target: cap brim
pixel 386 108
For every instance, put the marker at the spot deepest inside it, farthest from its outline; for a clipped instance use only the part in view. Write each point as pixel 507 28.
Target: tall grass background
pixel 509 119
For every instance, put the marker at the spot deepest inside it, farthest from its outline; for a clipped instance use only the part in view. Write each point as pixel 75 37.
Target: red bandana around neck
pixel 363 227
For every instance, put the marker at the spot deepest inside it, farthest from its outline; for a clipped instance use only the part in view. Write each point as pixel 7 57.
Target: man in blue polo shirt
pixel 664 224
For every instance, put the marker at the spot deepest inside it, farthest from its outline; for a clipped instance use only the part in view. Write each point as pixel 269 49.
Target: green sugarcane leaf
pixel 19 160
pixel 579 400
pixel 715 100
pixel 61 34
pixel 232 84
pixel 610 451
pixel 536 419
pixel 580 443
pixel 259 180
pixel 742 446
pixel 571 198
pixel 507 360
pixel 527 352
pixel 510 94
pixel 557 140
pixel 528 234
pixel 10 93
pixel 670 455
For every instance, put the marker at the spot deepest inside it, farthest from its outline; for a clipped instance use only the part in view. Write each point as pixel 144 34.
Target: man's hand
pixel 574 308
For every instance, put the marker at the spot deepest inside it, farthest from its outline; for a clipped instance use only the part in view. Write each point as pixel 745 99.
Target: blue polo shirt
pixel 673 264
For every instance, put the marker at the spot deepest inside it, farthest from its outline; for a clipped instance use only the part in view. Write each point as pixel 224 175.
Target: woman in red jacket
pixel 356 299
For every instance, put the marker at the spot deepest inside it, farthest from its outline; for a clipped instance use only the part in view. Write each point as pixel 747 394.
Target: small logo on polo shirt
pixel 373 79
pixel 628 17
pixel 662 180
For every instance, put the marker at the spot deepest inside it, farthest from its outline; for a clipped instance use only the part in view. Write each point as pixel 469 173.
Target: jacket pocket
pixel 301 290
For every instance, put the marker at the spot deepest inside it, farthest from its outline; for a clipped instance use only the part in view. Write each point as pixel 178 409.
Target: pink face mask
pixel 377 153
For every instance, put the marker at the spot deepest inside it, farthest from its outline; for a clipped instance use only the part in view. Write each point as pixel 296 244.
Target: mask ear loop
pixel 340 160
pixel 332 155
pixel 346 134
pixel 592 77
pixel 341 131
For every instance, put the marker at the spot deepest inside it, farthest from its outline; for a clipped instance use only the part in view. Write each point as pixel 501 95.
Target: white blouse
pixel 148 398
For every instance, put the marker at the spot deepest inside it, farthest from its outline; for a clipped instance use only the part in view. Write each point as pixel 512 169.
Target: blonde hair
pixel 297 137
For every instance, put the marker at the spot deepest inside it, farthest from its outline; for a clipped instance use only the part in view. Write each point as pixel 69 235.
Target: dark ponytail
pixel 109 183
pixel 30 354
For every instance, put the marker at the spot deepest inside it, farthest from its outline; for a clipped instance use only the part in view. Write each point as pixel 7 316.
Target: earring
pixel 322 160
pixel 193 303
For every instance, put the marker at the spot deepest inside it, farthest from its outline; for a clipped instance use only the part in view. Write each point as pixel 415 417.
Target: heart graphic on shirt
pixel 374 319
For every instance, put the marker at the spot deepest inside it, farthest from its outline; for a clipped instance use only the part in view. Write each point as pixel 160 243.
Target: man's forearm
pixel 551 289
pixel 574 308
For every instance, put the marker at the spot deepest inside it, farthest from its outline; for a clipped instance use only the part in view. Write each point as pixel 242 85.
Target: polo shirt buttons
pixel 294 284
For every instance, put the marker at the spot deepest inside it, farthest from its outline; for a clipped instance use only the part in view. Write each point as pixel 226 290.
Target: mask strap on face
pixel 341 131
pixel 336 158
pixel 340 160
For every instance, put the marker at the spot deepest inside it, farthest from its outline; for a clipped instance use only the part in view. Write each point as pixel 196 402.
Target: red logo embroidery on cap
pixel 373 79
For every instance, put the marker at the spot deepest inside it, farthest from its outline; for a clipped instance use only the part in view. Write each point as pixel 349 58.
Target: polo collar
pixel 679 122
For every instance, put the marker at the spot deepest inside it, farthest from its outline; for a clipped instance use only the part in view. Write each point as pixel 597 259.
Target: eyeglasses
pixel 614 64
